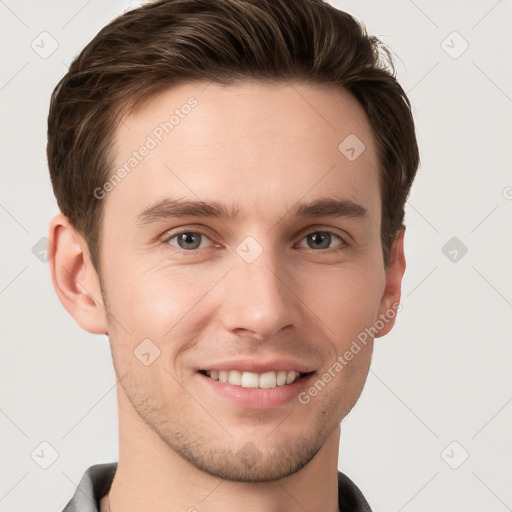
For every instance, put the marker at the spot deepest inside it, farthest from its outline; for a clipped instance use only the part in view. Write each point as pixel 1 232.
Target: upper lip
pixel 252 365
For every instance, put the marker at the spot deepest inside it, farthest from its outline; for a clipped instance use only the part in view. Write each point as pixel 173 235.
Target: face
pixel 279 273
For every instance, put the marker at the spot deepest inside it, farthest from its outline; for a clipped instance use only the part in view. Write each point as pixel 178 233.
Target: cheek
pixel 166 305
pixel 345 299
pixel 162 302
pixel 147 296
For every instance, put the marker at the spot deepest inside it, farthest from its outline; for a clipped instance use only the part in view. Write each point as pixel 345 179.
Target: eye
pixel 193 240
pixel 187 240
pixel 323 239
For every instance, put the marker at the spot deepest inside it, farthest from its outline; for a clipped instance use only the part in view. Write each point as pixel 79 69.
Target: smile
pixel 265 380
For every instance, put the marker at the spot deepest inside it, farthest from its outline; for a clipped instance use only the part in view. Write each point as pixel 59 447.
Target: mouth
pixel 246 379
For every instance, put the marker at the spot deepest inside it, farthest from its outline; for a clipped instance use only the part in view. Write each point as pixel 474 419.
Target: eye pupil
pixel 320 237
pixel 186 237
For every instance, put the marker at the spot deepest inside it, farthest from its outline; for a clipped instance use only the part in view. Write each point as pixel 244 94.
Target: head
pixel 265 112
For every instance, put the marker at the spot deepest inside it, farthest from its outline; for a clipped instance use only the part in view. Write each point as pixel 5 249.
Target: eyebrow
pixel 167 208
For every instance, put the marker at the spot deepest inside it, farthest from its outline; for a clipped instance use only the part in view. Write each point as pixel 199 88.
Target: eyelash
pixel 171 235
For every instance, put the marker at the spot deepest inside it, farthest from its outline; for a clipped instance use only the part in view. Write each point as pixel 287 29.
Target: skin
pixel 262 148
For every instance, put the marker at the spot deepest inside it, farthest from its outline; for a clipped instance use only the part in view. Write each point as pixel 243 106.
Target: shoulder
pixel 95 483
pixel 350 497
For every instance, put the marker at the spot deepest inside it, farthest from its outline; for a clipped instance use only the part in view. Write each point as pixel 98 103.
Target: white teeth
pixel 281 378
pixel 253 380
pixel 268 380
pixel 250 380
pixel 235 378
pixel 290 377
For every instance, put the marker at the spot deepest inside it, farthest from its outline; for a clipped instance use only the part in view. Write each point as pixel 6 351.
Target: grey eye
pixel 188 240
pixel 321 239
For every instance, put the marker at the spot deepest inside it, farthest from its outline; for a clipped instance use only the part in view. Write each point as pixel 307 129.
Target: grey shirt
pixel 97 480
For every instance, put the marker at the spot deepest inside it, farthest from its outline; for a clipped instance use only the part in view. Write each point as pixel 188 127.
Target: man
pixel 232 177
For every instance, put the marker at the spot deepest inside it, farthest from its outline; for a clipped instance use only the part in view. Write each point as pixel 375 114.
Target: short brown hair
pixel 170 42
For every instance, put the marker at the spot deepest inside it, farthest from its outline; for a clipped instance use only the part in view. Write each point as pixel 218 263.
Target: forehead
pixel 265 146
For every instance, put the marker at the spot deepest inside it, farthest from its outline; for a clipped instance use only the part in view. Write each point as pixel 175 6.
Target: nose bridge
pixel 257 297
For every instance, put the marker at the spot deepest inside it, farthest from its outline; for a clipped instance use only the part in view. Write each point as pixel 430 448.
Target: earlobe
pixel 74 277
pixel 393 288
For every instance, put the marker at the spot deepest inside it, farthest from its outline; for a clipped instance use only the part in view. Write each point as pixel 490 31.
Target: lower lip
pixel 257 398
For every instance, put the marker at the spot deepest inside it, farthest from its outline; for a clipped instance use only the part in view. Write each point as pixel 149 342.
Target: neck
pixel 151 476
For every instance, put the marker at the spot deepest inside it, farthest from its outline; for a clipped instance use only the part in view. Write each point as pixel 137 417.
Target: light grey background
pixel 443 375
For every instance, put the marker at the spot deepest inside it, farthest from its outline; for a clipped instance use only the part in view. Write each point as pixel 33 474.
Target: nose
pixel 258 298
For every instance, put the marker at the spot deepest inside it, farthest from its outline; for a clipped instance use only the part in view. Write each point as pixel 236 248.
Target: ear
pixel 390 300
pixel 74 277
